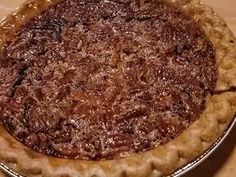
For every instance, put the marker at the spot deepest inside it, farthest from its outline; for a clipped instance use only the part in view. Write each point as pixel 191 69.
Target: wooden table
pixel 223 162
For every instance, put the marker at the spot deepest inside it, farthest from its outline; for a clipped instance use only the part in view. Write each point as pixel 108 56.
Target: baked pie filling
pixel 102 79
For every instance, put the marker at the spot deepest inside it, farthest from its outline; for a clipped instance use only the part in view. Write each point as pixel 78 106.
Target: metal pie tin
pixel 178 173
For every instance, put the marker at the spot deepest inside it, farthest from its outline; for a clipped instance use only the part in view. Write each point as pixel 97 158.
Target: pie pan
pixel 215 122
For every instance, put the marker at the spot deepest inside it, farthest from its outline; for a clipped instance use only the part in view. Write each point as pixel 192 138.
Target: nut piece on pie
pixel 113 88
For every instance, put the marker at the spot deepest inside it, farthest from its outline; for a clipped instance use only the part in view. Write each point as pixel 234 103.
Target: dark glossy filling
pixel 100 79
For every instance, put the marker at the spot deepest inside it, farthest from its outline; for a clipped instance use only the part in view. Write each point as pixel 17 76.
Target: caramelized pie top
pixel 100 79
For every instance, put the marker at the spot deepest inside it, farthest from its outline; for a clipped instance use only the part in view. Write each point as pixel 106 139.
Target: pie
pixel 113 88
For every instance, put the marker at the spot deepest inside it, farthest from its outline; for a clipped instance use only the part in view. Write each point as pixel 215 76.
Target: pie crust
pixel 161 161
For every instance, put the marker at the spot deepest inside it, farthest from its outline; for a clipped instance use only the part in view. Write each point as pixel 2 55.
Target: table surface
pixel 221 163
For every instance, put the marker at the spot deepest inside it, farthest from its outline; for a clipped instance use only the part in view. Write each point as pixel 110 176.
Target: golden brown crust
pixel 220 111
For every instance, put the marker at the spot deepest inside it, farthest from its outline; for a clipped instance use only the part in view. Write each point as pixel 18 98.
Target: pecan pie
pixel 113 88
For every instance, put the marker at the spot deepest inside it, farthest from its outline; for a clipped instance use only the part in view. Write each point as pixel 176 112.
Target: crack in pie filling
pixel 97 79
